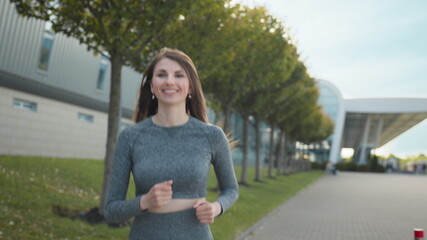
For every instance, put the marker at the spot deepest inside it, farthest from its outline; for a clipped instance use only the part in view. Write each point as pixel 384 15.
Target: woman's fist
pixel 206 211
pixel 159 195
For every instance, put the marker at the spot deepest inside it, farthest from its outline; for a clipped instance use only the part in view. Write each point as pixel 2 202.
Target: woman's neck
pixel 170 117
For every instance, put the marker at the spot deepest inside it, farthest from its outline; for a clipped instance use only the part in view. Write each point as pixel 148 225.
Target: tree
pixel 265 66
pixel 125 31
pixel 199 34
pixel 281 103
pixel 297 100
pixel 268 102
pixel 224 81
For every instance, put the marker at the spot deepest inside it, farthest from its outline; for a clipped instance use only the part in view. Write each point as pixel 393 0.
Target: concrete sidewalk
pixel 359 206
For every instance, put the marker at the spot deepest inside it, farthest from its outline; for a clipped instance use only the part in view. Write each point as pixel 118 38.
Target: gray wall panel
pixel 16 57
pixel 71 66
pixel 5 34
pixel 35 38
pixel 18 38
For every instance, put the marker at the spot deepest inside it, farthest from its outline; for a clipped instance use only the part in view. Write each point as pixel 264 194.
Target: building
pixel 367 123
pixel 54 94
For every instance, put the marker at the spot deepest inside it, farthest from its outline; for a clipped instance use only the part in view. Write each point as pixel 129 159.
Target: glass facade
pixel 236 123
pixel 46 48
pixel 330 102
pixel 102 72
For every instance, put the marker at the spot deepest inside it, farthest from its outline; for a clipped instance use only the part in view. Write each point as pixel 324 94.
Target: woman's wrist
pixel 218 208
pixel 142 205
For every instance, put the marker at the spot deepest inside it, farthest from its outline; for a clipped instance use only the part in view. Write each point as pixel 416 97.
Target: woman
pixel 169 151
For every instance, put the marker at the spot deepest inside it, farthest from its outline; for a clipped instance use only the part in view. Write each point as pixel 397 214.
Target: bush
pixel 346 166
pixel 374 166
pixel 353 167
pixel 318 165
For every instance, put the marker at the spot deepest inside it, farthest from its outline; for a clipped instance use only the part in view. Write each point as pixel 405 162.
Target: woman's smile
pixel 170 84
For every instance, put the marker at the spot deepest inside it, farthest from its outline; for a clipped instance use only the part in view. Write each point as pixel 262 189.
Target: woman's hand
pixel 207 211
pixel 159 195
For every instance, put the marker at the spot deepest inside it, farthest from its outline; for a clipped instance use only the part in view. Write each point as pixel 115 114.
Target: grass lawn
pixel 30 186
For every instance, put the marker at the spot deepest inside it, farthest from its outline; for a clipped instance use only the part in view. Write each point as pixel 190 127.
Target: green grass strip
pixel 30 186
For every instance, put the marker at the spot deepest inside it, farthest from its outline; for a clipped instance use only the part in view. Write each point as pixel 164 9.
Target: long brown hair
pixel 195 106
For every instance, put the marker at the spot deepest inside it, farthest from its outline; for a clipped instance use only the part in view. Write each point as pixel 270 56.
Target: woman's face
pixel 170 83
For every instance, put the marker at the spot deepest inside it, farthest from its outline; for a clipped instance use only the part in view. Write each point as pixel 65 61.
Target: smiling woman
pixel 174 66
pixel 169 152
pixel 170 84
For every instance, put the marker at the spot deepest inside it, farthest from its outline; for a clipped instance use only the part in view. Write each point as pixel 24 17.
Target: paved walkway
pixel 359 206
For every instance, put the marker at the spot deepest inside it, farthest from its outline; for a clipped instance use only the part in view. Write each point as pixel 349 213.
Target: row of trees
pixel 249 66
pixel 246 61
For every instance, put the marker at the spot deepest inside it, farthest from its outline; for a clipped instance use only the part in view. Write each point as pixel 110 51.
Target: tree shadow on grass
pixel 92 216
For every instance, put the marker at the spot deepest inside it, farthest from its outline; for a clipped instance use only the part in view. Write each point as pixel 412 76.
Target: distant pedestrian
pixel 389 168
pixel 419 168
pixel 330 168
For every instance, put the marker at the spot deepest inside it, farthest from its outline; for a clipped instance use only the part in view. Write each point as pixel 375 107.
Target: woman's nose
pixel 169 79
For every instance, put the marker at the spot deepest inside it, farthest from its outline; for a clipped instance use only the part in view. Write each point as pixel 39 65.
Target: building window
pixel 102 72
pixel 25 105
pixel 85 117
pixel 46 49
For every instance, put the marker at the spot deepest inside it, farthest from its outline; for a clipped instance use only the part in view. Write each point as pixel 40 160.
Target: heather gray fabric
pixel 170 226
pixel 156 154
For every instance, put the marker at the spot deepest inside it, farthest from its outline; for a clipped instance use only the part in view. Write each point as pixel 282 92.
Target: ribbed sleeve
pixel 224 170
pixel 117 208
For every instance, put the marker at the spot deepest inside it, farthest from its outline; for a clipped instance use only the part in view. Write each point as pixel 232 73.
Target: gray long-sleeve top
pixel 156 154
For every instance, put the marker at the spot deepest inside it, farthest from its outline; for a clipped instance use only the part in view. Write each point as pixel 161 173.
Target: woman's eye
pixel 180 75
pixel 161 75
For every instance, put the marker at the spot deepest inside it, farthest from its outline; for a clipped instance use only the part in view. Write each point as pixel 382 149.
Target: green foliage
pixel 420 157
pixel 301 117
pixel 30 186
pixel 318 165
pixel 372 166
pixel 126 29
pixel 348 166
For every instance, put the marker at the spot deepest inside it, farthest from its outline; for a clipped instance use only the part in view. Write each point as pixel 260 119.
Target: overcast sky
pixel 366 48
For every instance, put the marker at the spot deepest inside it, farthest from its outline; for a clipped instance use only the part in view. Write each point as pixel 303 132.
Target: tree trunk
pixel 244 176
pixel 113 123
pixel 286 156
pixel 258 177
pixel 270 153
pixel 292 158
pixel 301 158
pixel 279 153
pixel 226 111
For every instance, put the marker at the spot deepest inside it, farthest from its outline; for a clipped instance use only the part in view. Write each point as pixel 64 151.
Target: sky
pixel 366 48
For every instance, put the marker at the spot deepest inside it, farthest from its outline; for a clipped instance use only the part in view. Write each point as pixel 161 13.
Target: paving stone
pixel 350 206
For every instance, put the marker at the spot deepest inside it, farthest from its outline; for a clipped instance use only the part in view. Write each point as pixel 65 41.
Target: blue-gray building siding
pixel 71 67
